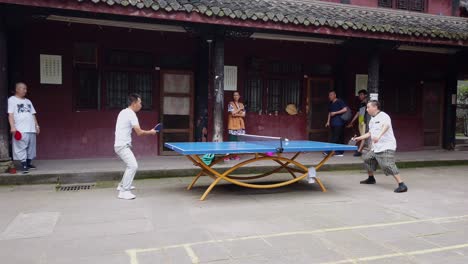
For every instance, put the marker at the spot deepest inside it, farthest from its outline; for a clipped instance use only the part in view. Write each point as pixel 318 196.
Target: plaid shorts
pixel 385 159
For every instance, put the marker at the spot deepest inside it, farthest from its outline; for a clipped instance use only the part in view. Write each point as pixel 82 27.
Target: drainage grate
pixel 77 187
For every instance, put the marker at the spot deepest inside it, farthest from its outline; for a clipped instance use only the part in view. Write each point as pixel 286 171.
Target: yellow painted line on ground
pixel 134 252
pixel 193 257
pixel 400 254
pixel 133 256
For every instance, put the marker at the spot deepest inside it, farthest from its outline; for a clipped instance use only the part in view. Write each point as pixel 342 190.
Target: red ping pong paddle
pixel 18 135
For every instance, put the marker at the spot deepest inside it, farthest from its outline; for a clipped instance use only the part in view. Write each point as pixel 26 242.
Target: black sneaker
pixel 25 169
pixel 357 154
pixel 368 181
pixel 401 188
pixel 30 166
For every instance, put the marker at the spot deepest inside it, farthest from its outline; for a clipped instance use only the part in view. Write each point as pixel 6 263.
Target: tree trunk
pixel 218 109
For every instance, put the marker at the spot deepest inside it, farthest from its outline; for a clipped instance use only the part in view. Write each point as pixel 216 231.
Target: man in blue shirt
pixel 335 109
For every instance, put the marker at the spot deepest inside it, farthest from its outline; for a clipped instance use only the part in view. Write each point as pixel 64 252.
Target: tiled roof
pixel 310 13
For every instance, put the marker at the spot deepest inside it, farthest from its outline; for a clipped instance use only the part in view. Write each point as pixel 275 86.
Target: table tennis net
pixel 274 142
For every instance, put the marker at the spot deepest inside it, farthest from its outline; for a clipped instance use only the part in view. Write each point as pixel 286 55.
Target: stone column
pixel 5 159
pixel 218 108
pixel 373 72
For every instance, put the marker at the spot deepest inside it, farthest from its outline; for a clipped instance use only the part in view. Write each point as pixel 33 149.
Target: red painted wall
pixel 66 133
pixel 87 134
pixel 436 7
pixel 369 3
pixel 440 7
pixel 238 53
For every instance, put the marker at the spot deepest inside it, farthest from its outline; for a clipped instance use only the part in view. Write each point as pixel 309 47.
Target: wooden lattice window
pixel 87 88
pixel 410 5
pixel 85 76
pixel 128 72
pixel 402 4
pixel 385 3
pixel 283 92
pixel 85 53
pixel 120 84
pixel 253 95
pixel 417 5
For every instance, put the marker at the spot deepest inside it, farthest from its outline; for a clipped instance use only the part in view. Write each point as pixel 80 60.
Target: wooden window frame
pixel 108 68
pixel 87 65
pixel 394 5
pixel 262 73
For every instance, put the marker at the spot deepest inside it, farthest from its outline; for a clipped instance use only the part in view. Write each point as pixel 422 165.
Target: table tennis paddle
pixel 158 127
pixel 18 135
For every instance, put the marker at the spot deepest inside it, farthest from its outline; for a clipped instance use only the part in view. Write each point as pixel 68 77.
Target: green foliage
pixel 462 94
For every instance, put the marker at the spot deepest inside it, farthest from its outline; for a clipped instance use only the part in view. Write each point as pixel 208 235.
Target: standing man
pixel 126 122
pixel 363 119
pixel 383 146
pixel 23 127
pixel 335 109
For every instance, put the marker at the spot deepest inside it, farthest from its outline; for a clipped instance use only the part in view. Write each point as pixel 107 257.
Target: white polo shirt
pixel 126 120
pixel 23 113
pixel 387 141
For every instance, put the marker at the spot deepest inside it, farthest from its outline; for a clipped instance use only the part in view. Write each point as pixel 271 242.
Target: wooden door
pixel 432 113
pixel 317 108
pixel 176 108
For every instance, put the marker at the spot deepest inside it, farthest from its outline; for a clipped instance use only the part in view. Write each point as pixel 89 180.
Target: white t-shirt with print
pixel 23 111
pixel 387 141
pixel 126 120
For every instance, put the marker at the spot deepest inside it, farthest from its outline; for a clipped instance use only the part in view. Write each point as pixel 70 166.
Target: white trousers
pixel 126 155
pixel 25 148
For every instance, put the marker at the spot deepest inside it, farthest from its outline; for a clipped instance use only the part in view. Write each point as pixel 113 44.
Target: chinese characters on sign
pixel 51 69
pixel 230 78
pixel 361 82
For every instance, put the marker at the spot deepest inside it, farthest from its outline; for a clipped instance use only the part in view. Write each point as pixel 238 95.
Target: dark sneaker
pixel 368 181
pixel 31 167
pixel 357 154
pixel 25 169
pixel 401 188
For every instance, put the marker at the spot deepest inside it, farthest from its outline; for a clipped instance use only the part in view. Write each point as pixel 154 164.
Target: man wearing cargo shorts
pixel 383 148
pixel 23 127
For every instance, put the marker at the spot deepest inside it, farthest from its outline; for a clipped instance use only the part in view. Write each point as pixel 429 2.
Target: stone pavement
pixel 92 170
pixel 351 223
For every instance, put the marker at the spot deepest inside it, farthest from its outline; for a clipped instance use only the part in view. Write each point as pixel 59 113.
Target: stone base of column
pixel 5 165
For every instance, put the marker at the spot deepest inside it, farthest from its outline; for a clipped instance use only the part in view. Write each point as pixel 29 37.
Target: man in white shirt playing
pixel 23 127
pixel 126 122
pixel 383 146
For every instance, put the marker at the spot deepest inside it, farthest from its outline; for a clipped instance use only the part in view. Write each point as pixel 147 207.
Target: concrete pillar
pixel 218 108
pixel 450 107
pixel 373 73
pixel 5 159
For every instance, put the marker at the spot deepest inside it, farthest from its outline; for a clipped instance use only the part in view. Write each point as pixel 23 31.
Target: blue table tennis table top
pixel 241 147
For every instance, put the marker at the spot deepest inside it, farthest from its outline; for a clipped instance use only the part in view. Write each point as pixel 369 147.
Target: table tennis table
pixel 258 146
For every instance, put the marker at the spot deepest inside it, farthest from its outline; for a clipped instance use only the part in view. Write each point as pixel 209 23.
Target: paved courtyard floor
pixel 351 223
